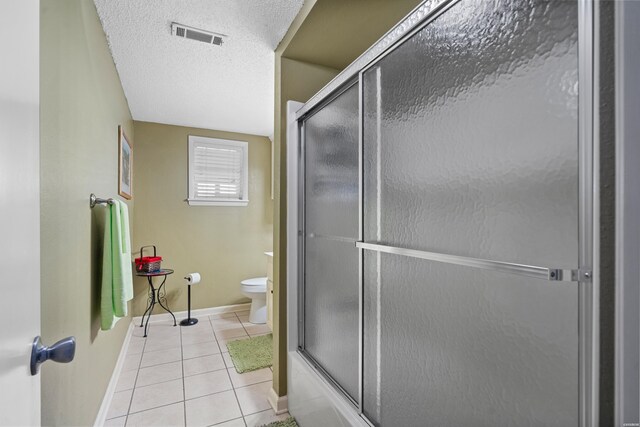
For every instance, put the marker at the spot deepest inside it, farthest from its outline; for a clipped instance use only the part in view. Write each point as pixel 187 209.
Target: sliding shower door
pixel 470 133
pixel 444 222
pixel 329 335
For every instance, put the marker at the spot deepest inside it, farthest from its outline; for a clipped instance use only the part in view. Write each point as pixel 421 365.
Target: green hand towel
pixel 121 250
pixel 117 280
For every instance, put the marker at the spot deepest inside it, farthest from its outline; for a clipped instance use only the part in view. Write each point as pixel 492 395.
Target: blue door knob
pixel 62 352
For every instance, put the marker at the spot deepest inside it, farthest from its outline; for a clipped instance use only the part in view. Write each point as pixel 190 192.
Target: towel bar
pixel 93 201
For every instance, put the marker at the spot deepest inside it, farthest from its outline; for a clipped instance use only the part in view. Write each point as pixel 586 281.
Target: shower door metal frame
pixel 587 274
pixel 589 218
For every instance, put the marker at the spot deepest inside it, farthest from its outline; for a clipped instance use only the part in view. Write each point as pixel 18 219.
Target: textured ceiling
pixel 172 80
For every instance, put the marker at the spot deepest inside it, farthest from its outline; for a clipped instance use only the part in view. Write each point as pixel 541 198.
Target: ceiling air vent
pixel 187 32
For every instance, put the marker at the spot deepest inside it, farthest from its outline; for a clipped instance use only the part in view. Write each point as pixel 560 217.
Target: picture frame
pixel 125 165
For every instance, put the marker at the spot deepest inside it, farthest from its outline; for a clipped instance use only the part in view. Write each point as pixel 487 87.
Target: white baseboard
pixel 279 404
pixel 162 317
pixel 111 388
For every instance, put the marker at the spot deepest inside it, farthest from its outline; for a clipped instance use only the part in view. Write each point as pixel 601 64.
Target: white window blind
pixel 217 172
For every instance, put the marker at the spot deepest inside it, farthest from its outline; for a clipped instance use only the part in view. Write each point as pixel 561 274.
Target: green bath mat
pixel 251 354
pixel 289 422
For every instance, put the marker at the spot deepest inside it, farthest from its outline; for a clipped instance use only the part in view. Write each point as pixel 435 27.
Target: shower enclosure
pixel 441 219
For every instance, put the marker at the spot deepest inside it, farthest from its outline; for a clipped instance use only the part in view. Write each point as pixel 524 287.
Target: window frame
pixel 244 174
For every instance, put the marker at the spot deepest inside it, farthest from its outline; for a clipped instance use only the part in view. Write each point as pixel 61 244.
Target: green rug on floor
pixel 251 354
pixel 289 422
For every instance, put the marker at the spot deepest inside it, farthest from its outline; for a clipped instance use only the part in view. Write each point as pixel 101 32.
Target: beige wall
pixel 355 25
pixel 225 244
pixel 82 104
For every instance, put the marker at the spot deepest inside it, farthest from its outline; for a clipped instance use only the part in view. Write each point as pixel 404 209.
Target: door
pixel 329 334
pixel 19 210
pixel 471 210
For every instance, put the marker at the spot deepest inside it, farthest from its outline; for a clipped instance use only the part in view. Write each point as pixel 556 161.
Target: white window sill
pixel 238 203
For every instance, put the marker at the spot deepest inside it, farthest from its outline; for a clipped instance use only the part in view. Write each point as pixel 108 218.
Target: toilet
pixel 256 289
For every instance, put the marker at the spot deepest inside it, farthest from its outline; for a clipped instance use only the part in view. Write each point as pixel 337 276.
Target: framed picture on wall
pixel 125 165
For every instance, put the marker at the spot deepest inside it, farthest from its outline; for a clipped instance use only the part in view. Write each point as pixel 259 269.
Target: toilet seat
pixel 256 281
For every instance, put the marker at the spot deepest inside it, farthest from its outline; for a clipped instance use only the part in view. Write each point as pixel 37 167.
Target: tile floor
pixel 183 376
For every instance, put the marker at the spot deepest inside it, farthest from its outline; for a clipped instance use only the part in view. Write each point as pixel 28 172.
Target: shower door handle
pixel 544 273
pixel 62 352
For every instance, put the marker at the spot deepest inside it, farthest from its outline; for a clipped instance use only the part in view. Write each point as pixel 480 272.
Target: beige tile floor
pixel 183 376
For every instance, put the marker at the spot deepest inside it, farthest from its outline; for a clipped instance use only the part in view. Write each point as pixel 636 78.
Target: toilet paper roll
pixel 193 278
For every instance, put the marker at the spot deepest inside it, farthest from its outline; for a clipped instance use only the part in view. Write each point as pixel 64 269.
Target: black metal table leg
pixel 162 297
pixel 149 299
pixel 153 302
pixel 156 295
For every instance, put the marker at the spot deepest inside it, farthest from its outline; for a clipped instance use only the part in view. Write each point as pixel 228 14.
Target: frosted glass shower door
pixel 470 205
pixel 330 333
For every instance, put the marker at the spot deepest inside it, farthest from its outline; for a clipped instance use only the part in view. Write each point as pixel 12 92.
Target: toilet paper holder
pixel 192 279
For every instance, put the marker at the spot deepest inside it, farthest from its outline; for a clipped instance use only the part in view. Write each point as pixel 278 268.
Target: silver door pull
pixel 544 273
pixel 62 352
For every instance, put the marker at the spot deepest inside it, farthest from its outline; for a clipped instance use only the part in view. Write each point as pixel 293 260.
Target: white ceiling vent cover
pixel 187 32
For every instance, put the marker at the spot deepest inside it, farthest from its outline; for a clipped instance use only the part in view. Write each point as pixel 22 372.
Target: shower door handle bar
pixel 544 273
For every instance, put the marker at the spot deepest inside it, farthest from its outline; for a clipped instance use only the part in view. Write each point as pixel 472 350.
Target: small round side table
pixel 156 295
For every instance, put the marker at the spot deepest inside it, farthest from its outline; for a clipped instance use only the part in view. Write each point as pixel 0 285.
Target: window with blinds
pixel 217 172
